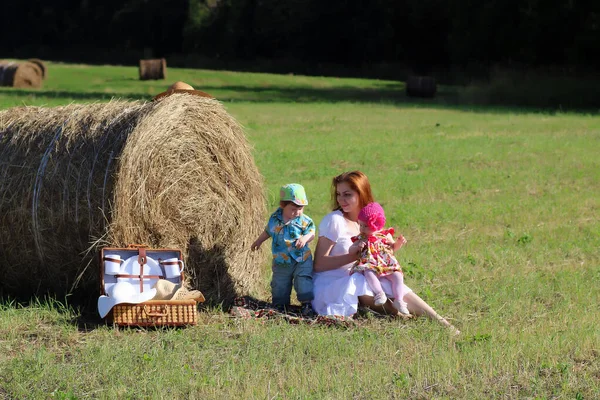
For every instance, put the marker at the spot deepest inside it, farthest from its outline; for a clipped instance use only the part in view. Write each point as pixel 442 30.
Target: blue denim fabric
pixel 297 273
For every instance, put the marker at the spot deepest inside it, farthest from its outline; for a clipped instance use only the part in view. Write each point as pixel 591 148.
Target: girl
pixel 376 258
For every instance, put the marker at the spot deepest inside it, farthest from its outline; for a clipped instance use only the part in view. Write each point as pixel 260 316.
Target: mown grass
pixel 500 208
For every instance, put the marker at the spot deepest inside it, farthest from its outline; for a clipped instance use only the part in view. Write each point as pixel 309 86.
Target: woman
pixel 336 291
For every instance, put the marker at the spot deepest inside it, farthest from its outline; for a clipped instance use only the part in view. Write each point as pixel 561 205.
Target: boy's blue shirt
pixel 284 237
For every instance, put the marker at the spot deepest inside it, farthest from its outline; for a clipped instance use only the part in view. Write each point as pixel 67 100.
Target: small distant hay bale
pixel 20 74
pixel 42 66
pixel 153 69
pixel 173 173
pixel 421 86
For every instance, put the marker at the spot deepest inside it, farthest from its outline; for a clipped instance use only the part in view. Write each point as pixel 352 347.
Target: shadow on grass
pixel 90 96
pixel 447 97
pixel 83 315
pixel 207 269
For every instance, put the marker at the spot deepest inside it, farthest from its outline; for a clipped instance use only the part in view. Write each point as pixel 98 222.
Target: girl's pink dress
pixel 376 256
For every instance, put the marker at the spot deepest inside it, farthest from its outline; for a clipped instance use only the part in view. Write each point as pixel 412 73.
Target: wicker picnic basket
pixel 149 270
pixel 155 313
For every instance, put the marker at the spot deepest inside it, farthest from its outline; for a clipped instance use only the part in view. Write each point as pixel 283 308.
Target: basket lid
pixel 122 292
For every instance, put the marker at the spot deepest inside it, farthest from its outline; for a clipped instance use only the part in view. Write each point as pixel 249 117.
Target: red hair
pixel 357 182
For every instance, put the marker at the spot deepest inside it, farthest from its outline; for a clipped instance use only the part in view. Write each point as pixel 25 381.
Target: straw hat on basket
pixel 181 87
pixel 167 290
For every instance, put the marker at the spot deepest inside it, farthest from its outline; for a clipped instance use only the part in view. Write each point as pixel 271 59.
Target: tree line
pixel 420 34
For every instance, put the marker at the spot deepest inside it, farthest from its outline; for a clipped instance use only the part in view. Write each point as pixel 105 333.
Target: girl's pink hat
pixel 373 215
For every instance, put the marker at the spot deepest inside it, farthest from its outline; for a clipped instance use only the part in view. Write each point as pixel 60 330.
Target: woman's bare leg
pixel 418 306
pixel 387 308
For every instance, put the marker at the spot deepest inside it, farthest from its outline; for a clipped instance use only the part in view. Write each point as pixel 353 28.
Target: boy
pixel 291 231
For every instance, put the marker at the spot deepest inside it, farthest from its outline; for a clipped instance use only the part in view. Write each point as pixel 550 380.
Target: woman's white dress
pixel 336 291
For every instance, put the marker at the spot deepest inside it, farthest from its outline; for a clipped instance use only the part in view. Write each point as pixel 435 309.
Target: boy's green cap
pixel 293 192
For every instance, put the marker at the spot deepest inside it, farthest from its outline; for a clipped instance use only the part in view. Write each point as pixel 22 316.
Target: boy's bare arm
pixel 310 237
pixel 261 238
pixel 304 240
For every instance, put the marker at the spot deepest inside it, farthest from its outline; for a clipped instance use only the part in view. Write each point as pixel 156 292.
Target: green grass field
pixel 500 207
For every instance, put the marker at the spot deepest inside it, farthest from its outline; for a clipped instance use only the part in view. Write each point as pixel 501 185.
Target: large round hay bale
pixel 153 69
pixel 20 74
pixel 174 173
pixel 42 66
pixel 421 86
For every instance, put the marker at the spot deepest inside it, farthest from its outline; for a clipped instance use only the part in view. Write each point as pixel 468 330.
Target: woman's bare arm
pixel 326 262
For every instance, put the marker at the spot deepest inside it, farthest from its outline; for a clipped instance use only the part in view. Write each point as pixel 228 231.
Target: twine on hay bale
pixel 421 86
pixel 174 173
pixel 42 66
pixel 20 74
pixel 153 69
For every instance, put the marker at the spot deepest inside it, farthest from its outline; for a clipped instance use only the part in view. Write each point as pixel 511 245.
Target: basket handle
pixel 164 313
